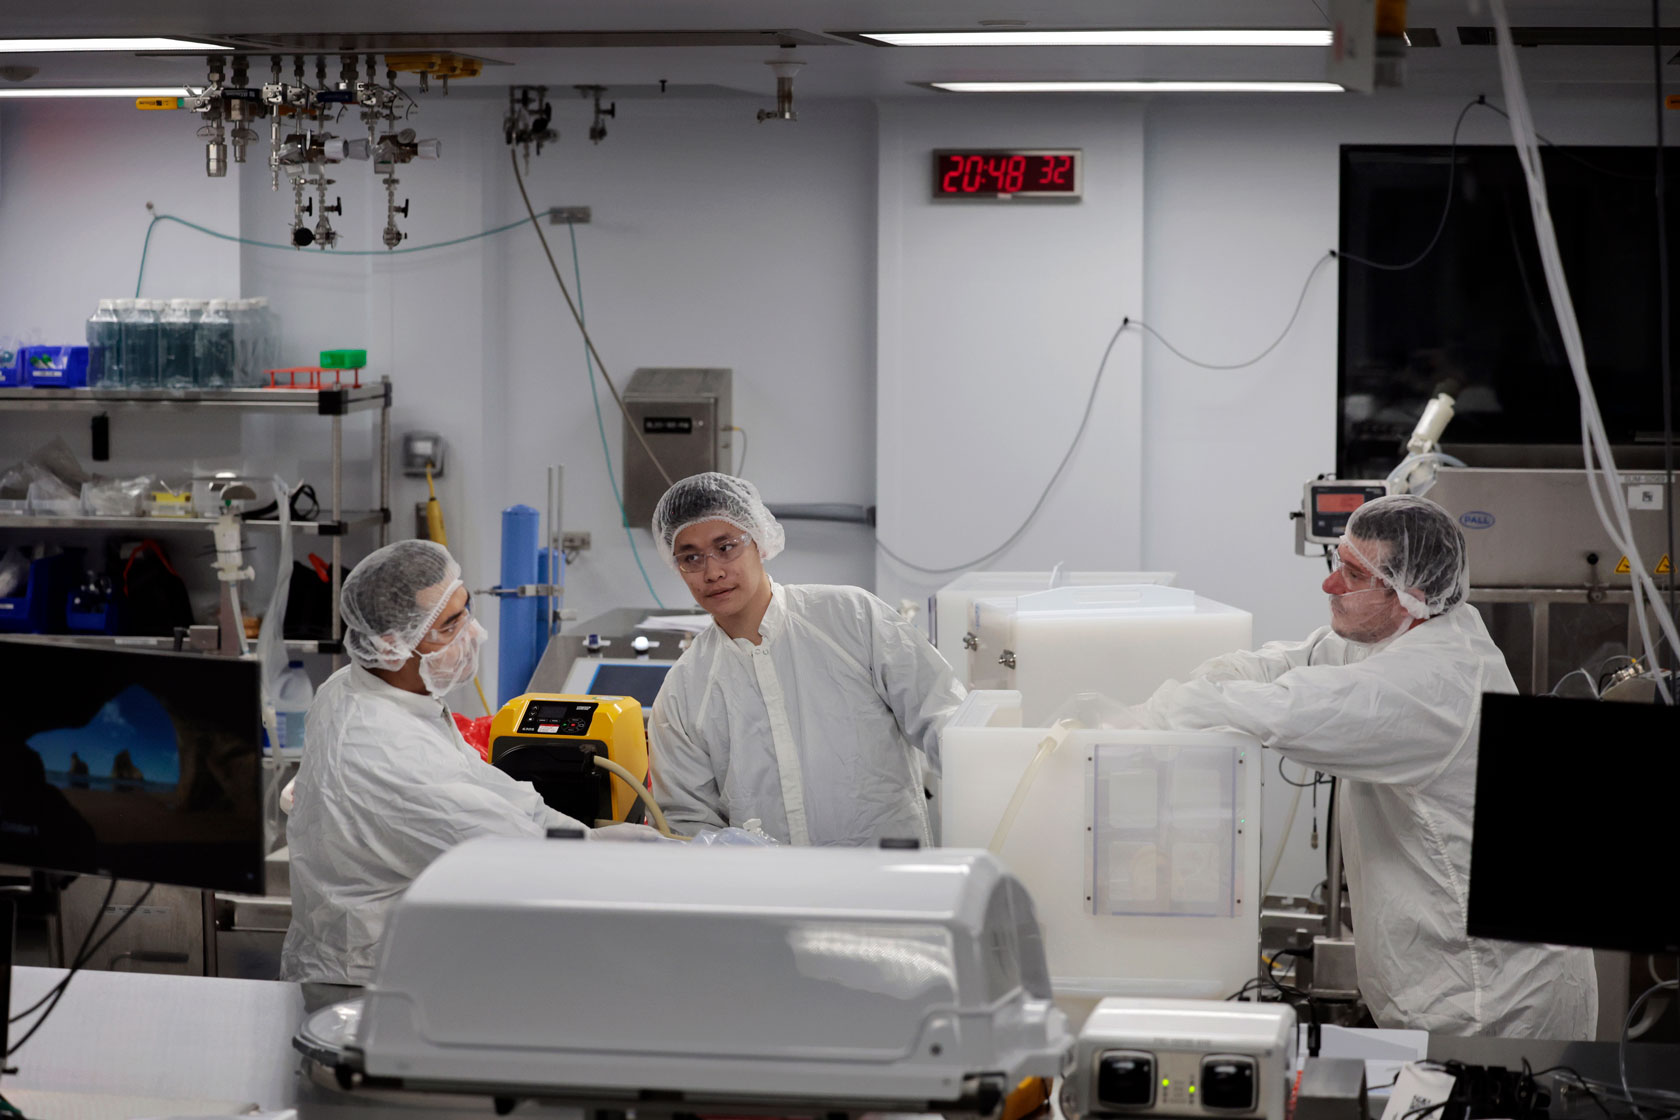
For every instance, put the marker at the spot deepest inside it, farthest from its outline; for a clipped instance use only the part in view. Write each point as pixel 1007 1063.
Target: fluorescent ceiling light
pixel 1193 37
pixel 43 46
pixel 1138 87
pixel 96 91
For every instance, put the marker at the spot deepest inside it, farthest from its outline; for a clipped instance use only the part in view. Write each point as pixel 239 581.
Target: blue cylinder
pixel 518 636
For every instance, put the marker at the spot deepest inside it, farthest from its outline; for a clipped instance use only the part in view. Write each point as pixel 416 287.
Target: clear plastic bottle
pixel 268 352
pixel 213 355
pixel 244 342
pixel 291 707
pixel 104 339
pixel 139 343
pixel 177 339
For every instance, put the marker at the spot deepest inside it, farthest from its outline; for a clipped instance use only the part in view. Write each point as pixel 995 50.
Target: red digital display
pixel 993 174
pixel 1339 501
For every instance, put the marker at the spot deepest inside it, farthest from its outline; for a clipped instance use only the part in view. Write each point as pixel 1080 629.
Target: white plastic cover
pixel 891 975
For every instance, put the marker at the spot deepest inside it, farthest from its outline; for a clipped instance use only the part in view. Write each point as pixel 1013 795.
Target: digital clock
pixel 1007 174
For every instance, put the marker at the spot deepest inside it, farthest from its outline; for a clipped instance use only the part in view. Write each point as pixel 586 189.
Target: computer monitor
pixel 617 676
pixel 139 764
pixel 1575 809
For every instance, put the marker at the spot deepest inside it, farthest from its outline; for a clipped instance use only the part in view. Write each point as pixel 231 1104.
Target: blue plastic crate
pixel 11 373
pixel 59 367
pixel 40 609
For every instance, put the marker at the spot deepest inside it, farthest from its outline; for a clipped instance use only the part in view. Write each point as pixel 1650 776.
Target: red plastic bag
pixel 476 732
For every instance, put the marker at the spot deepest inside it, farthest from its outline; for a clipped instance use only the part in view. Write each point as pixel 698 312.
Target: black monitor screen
pixel 132 763
pixel 1575 804
pixel 641 681
pixel 1474 318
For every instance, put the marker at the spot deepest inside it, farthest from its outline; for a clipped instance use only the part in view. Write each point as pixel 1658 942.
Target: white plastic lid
pixel 194 304
pixel 180 305
pixel 153 304
pixel 124 304
pixel 107 305
pixel 216 305
pixel 259 301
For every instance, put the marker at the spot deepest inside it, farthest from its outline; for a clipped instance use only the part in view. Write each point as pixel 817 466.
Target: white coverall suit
pixel 812 731
pixel 1399 721
pixel 386 786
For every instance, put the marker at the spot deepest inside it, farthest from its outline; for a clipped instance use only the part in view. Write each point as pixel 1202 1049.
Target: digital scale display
pixel 1002 174
pixel 556 717
pixel 1330 502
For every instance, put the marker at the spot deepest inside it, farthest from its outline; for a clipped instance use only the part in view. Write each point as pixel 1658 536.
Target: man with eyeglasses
pixel 1388 699
pixel 386 784
pixel 803 706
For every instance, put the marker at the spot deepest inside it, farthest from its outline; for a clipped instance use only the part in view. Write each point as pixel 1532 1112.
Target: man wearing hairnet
pixel 802 706
pixel 1388 699
pixel 386 784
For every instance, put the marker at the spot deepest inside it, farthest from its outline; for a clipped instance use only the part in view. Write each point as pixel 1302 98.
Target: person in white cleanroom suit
pixel 386 784
pixel 1388 698
pixel 801 705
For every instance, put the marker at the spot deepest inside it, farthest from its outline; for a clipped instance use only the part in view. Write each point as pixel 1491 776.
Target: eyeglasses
pixel 725 552
pixel 1357 578
pixel 456 624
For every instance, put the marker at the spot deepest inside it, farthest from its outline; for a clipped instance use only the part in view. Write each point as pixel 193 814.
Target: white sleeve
pixel 423 814
pixel 1267 663
pixel 1385 720
pixel 684 783
pixel 912 678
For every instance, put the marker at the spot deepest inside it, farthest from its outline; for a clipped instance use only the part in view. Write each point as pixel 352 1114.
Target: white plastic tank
pixel 953 603
pixel 1141 849
pixel 1123 642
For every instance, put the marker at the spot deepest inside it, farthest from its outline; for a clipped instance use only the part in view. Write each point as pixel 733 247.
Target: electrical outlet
pixel 574 542
pixel 574 215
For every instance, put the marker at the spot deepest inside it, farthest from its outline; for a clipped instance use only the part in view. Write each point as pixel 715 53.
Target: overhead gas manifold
pixel 302 117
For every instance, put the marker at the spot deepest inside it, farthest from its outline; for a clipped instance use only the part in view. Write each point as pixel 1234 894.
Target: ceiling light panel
pixel 47 46
pixel 95 91
pixel 1138 87
pixel 1190 37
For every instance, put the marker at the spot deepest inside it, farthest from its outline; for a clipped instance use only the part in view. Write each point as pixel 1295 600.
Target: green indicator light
pixel 1165 1083
pixel 1192 1090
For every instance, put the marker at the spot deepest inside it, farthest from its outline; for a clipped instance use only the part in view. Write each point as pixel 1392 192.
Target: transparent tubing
pixel 641 791
pixel 1046 748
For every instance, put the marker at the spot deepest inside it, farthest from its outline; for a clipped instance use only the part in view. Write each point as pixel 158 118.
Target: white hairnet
pixel 385 613
pixel 715 497
pixel 1424 561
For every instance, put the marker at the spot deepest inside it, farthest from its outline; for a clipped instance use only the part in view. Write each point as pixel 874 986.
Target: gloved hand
pixel 1096 711
pixel 631 834
pixel 286 799
pixel 750 836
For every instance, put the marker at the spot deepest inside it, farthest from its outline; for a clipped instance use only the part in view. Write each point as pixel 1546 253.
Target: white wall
pixel 992 320
pixel 715 241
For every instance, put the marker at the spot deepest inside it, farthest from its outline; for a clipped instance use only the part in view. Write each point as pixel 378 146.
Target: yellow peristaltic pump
pixel 586 755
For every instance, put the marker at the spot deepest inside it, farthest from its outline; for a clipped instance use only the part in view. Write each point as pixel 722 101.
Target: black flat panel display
pixel 640 681
pixel 132 763
pixel 1474 318
pixel 1575 822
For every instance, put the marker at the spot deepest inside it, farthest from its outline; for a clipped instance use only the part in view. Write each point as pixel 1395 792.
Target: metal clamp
pixel 971 641
pixel 1007 659
pixel 525 591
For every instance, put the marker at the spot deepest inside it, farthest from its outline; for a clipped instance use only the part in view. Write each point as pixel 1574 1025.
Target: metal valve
pixel 971 641
pixel 1007 659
